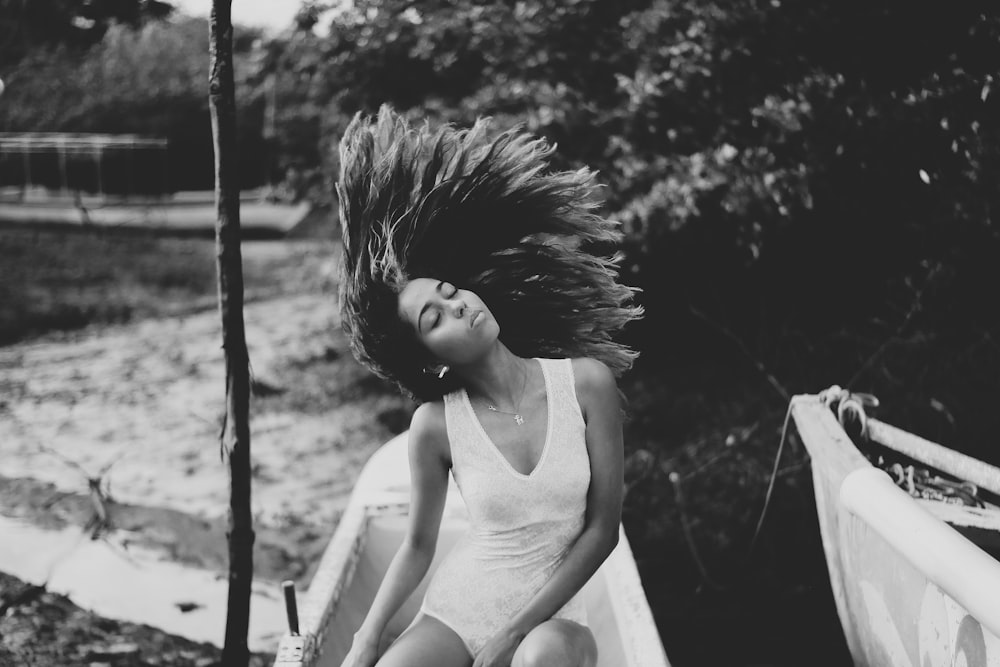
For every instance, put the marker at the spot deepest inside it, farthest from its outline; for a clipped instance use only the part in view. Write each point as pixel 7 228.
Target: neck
pixel 498 377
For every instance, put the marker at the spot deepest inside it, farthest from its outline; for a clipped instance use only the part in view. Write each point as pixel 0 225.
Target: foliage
pixel 814 178
pixel 28 24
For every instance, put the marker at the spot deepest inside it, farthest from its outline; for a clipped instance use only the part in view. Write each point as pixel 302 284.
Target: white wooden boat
pixel 367 538
pixel 916 581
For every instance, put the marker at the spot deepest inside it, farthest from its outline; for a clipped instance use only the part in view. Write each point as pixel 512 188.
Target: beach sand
pixel 125 419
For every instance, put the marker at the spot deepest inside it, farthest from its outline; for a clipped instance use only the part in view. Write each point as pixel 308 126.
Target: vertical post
pixel 26 158
pixel 63 180
pixel 270 113
pixel 100 175
pixel 165 175
pixel 235 435
pixel 130 182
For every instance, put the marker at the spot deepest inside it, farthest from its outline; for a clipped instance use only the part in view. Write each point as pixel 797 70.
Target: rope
pixel 847 403
pixel 774 475
pixel 919 483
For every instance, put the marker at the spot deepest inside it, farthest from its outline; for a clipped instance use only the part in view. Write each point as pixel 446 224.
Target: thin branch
pixel 65 459
pixel 675 480
pixel 773 381
pixel 100 521
pixel 917 304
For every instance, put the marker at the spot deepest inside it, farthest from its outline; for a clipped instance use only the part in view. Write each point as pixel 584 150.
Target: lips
pixel 474 318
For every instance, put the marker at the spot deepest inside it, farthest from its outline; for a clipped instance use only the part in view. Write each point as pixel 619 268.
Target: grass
pixel 57 280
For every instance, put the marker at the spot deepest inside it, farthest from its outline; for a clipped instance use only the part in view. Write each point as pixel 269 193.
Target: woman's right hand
pixel 363 653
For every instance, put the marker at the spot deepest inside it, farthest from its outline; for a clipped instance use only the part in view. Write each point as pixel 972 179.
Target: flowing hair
pixel 483 214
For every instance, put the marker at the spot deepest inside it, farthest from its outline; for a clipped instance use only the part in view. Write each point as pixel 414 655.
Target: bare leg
pixel 557 643
pixel 426 643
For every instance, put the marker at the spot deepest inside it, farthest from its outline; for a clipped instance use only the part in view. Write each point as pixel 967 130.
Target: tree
pixel 235 435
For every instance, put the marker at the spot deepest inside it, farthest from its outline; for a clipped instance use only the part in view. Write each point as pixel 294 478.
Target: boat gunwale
pixel 945 557
pixel 334 572
pixel 370 498
pixel 949 560
pixel 629 602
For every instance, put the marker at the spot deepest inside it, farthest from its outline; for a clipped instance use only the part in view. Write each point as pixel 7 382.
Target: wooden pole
pixel 235 435
pixel 63 180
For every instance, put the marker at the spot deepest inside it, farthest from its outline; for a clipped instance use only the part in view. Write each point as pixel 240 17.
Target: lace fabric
pixel 521 525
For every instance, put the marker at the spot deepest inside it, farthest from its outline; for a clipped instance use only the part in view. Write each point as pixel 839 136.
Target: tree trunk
pixel 235 435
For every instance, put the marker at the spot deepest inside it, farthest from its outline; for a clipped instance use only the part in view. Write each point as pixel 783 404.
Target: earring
pixel 444 369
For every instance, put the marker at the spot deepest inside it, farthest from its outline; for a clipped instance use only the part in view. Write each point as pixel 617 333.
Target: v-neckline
pixel 548 427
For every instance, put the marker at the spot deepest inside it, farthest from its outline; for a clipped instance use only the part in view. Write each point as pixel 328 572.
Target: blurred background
pixel 808 192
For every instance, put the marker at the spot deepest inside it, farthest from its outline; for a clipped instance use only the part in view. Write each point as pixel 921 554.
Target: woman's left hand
pixel 499 650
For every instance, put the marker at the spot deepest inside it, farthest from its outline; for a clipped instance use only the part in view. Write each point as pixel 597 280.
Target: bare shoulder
pixel 429 433
pixel 595 383
pixel 593 375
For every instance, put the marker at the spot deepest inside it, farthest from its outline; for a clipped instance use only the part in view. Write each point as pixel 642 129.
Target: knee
pixel 555 646
pixel 546 649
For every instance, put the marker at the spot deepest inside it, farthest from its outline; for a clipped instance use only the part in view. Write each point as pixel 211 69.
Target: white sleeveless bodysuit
pixel 520 526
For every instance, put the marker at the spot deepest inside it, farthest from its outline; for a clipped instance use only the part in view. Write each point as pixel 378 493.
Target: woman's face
pixel 454 324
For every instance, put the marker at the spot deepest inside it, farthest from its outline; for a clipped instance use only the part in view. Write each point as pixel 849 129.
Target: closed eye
pixel 447 292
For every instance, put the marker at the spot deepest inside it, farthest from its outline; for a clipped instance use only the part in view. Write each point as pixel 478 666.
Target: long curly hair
pixel 483 214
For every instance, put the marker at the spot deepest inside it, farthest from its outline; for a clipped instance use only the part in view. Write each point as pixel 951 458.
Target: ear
pixel 438 369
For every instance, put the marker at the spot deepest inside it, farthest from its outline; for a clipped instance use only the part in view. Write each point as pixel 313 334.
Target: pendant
pixel 516 415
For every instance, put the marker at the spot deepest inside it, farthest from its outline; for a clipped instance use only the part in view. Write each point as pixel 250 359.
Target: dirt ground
pixel 125 420
pixel 40 628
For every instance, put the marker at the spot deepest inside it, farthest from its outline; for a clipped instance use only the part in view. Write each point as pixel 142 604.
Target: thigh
pixel 426 643
pixel 557 642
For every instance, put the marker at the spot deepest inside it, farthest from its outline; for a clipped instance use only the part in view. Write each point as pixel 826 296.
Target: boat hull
pixel 366 539
pixel 909 588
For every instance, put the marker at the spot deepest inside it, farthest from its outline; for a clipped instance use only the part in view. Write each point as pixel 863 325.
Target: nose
pixel 458 308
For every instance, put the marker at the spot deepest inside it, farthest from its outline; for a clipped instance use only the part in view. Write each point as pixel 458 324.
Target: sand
pixel 138 407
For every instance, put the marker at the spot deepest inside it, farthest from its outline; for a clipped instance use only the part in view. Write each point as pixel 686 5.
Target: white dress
pixel 520 526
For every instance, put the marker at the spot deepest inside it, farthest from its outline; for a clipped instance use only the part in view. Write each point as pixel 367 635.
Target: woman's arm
pixel 600 403
pixel 429 465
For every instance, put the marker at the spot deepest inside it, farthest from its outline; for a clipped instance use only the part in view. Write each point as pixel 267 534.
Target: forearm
pixel 404 574
pixel 580 563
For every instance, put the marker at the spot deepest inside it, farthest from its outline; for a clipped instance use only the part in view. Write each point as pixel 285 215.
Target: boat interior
pixel 961 491
pixel 974 512
pixel 384 529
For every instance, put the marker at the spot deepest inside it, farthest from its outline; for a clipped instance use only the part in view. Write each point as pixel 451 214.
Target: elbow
pixel 420 551
pixel 613 539
pixel 609 537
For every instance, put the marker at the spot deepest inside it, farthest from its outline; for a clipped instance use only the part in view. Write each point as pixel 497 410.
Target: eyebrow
pixel 427 304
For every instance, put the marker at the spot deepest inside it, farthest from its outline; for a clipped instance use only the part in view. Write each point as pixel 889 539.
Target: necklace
pixel 516 415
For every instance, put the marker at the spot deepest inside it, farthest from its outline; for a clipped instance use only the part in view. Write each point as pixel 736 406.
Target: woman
pixel 468 278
